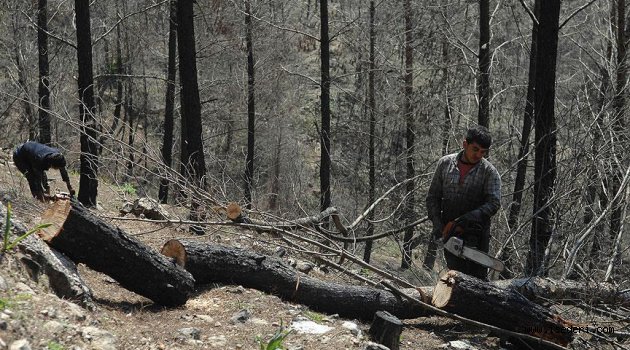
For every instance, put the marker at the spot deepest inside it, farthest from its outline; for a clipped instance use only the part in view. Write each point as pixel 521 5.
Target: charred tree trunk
pixel 43 89
pixel 386 329
pixel 371 154
pixel 86 239
pixel 324 168
pixel 523 151
pixel 251 111
pixel 502 308
pixel 88 182
pixel 167 140
pixel 483 83
pixel 410 135
pixel 213 263
pixel 545 127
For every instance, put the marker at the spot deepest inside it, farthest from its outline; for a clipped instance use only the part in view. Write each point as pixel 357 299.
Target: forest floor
pixel 216 317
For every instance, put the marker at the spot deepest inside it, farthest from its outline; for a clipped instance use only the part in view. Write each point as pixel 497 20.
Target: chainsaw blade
pixel 456 246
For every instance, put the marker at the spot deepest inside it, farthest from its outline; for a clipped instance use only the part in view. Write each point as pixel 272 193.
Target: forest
pixel 289 108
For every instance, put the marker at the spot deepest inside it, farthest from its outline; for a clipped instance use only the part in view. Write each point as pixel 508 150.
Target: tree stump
pixel 386 329
pixel 85 238
pixel 473 298
pixel 210 263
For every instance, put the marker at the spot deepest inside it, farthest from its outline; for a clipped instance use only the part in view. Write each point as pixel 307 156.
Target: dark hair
pixel 57 161
pixel 479 134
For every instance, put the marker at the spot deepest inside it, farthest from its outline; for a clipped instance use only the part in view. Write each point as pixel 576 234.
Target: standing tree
pixel 43 89
pixel 251 111
pixel 324 168
pixel 167 140
pixel 619 138
pixel 371 110
pixel 523 151
pixel 193 165
pixel 483 81
pixel 88 181
pixel 410 134
pixel 545 135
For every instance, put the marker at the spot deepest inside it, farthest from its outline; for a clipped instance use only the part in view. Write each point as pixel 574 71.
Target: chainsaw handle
pixel 452 228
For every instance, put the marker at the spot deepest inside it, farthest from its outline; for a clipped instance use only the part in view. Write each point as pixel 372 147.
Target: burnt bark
pixel 221 264
pixel 85 238
pixel 503 308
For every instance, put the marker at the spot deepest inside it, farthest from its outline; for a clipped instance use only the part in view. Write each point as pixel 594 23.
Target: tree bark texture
pixel 43 89
pixel 251 110
pixel 214 263
pixel 566 291
pixel 102 247
pixel 478 300
pixel 545 136
pixel 88 181
pixel 63 278
pixel 169 106
pixel 483 83
pixel 324 167
pixel 386 329
pixel 371 152
pixel 410 135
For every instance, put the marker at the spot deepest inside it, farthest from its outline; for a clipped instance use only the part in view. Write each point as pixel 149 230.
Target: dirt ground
pixel 216 317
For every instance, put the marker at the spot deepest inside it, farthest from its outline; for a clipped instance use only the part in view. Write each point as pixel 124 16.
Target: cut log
pixel 85 238
pixel 63 278
pixel 566 291
pixel 214 263
pixel 386 329
pixel 478 300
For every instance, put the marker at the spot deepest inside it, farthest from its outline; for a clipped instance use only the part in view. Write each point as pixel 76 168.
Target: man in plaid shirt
pixel 466 189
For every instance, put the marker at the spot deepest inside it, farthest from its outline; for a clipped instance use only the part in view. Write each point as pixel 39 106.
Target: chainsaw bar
pixel 456 246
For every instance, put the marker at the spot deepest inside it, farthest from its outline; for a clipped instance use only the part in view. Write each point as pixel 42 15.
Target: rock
pixel 460 344
pixel 4 286
pixel 309 327
pixel 3 326
pixel 54 327
pixel 98 338
pixel 304 267
pixel 352 327
pixel 147 207
pixel 190 333
pixel 217 341
pixel 240 317
pixel 375 346
pixel 21 344
pixel 205 318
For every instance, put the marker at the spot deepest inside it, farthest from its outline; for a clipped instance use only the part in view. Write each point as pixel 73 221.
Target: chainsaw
pixel 455 245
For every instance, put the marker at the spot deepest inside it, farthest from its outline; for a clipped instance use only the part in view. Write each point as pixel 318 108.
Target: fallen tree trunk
pixel 478 300
pixel 63 278
pixel 568 291
pixel 214 263
pixel 85 238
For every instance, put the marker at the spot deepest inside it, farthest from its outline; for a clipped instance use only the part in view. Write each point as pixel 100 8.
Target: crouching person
pixel 33 159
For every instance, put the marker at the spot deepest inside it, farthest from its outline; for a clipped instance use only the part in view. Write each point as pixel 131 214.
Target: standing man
pixel 33 159
pixel 466 192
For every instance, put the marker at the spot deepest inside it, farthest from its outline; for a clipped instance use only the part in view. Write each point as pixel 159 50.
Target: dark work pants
pixel 480 242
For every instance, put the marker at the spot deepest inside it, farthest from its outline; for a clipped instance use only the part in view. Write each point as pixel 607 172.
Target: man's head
pixel 477 144
pixel 57 161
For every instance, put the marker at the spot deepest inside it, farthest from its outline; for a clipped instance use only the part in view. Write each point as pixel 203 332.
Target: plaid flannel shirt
pixel 479 194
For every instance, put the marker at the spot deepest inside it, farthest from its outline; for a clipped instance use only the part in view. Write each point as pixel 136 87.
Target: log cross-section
pixel 210 263
pixel 87 239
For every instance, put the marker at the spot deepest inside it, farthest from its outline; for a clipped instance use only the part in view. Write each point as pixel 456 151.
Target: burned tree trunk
pixel 478 300
pixel 85 238
pixel 213 263
pixel 567 291
pixel 386 329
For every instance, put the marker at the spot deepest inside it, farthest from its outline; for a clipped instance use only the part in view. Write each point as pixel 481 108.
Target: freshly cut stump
pixel 473 298
pixel 85 238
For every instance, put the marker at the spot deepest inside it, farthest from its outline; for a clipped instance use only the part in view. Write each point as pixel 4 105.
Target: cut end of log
pixel 56 215
pixel 175 250
pixel 443 290
pixel 234 211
